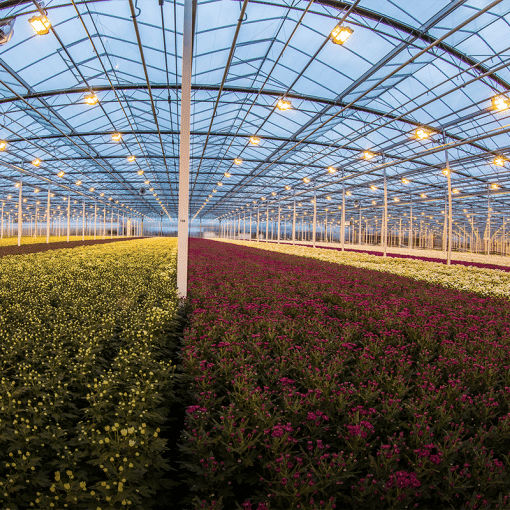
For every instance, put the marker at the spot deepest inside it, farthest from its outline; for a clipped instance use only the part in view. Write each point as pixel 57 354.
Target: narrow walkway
pixel 40 247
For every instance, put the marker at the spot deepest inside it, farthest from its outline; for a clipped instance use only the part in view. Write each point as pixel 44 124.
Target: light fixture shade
pixel 396 199
pixel 340 34
pixel 254 140
pixel 238 161
pixel 3 145
pixel 61 173
pixel 131 158
pixel 219 184
pixel 423 195
pixel 494 185
pixel 36 162
pixel 226 174
pixel 331 169
pixel 306 180
pixel 499 161
pixel 140 172
pixel 101 194
pixel 40 24
pixel 373 188
pixel 368 155
pixel 283 104
pixel 78 183
pixel 405 181
pixel 455 191
pixel 446 171
pixel 116 137
pixel 273 193
pixel 91 99
pixel 288 188
pixel 348 193
pixel 328 198
pixel 92 189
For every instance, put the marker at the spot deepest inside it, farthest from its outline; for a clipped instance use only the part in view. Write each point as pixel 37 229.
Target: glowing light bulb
pixel 226 174
pixel 396 199
pixel 78 183
pixel 446 171
pixel 140 172
pixel 455 191
pixel 494 186
pixel 92 189
pixel 116 137
pixel 340 34
pixel 40 24
pixel 131 158
pixel 422 195
pixel 500 103
pixel 91 99
pixel 499 161
pixel 306 180
pixel 283 104
pixel 328 198
pixel 238 161
pixel 36 162
pixel 331 169
pixel 254 140
pixel 3 145
pixel 405 181
pixel 422 134
pixel 348 193
pixel 373 188
pixel 368 155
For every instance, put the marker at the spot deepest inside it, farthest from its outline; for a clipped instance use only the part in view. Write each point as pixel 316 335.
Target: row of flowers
pixel 86 376
pixel 482 280
pixel 320 386
pixel 492 260
pixel 13 240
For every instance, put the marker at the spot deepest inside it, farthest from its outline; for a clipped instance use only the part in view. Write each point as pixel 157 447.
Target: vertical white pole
pixel 314 227
pixel 111 225
pixel 267 223
pixel 294 221
pixel 258 222
pixel 118 223
pixel 385 215
pixel 48 218
pixel 488 229
pixel 68 216
pixel 95 219
pixel 411 225
pixel 104 223
pixel 20 210
pixel 184 153
pixel 83 223
pixel 250 225
pixel 2 232
pixel 35 221
pixel 279 221
pixel 450 213
pixel 342 225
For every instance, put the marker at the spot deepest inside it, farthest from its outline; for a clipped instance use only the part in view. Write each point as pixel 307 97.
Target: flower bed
pixel 319 386
pixel 86 375
pixel 461 276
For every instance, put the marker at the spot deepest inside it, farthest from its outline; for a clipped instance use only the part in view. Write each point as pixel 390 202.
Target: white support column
pixel 314 227
pixel 20 210
pixel 68 216
pixel 95 219
pixel 118 224
pixel 294 221
pixel 250 225
pixel 184 153
pixel 342 223
pixel 35 221
pixel 385 214
pixel 450 212
pixel 258 222
pixel 111 225
pixel 410 241
pixel 48 221
pixel 279 220
pixel 488 228
pixel 83 223
pixel 2 229
pixel 104 223
pixel 267 223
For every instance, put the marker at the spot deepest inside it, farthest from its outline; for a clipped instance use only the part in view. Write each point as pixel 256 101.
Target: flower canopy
pixel 404 87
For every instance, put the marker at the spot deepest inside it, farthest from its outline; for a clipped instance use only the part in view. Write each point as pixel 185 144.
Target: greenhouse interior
pixel 254 254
